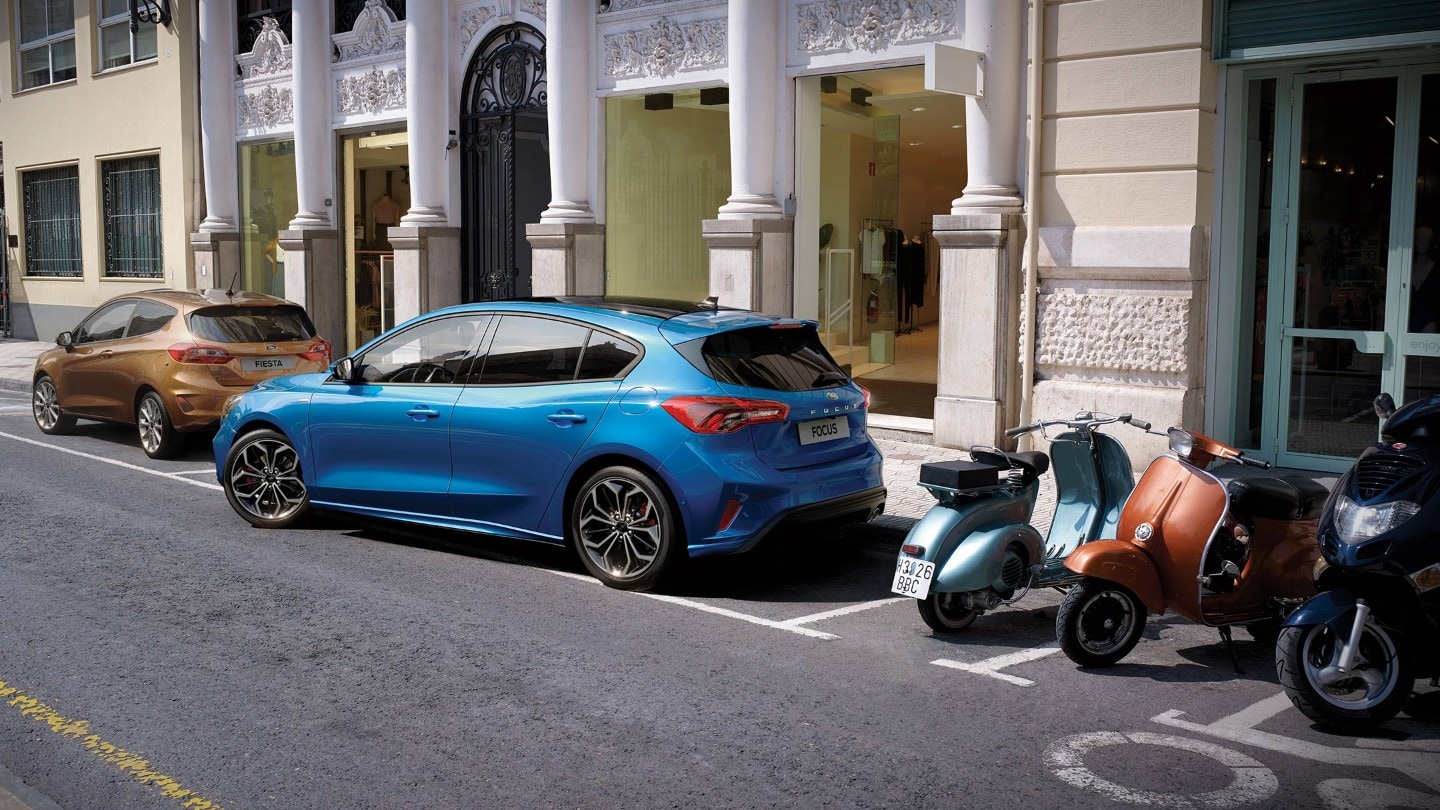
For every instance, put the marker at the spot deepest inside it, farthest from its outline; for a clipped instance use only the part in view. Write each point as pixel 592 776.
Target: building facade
pixel 1085 225
pixel 97 131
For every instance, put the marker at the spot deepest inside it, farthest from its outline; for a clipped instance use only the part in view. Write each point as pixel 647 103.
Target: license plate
pixel 912 577
pixel 824 430
pixel 267 363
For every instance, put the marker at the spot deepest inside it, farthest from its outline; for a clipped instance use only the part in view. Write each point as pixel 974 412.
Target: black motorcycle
pixel 1349 656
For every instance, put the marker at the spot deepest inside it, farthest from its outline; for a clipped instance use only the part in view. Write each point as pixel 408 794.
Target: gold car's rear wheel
pixel 264 482
pixel 158 438
pixel 45 402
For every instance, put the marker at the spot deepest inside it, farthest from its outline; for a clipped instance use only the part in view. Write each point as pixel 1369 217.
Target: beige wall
pixel 137 109
pixel 1125 193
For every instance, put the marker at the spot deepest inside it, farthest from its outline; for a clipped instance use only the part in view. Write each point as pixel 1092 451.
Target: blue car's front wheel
pixel 263 480
pixel 623 528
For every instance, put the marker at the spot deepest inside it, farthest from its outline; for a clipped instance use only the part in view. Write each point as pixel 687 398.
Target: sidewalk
pixel 906 502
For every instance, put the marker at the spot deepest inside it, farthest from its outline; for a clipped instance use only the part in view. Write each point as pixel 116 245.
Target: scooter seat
pixel 1289 497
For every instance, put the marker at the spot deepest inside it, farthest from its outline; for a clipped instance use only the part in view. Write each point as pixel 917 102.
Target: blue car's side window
pixel 436 352
pixel 533 350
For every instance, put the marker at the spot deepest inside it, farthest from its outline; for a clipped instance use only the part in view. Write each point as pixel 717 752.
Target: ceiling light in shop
pixel 384 141
pixel 917 143
pixel 917 109
pixel 1390 121
pixel 957 126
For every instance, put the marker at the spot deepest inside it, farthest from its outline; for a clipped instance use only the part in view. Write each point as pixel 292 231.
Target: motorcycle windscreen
pixel 1182 506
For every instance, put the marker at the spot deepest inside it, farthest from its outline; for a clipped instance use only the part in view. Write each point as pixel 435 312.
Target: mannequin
pixel 386 212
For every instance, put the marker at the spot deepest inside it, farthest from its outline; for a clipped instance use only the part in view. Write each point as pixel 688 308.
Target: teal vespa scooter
pixel 975 550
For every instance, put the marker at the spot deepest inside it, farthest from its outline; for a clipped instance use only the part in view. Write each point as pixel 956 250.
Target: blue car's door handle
pixel 421 412
pixel 566 418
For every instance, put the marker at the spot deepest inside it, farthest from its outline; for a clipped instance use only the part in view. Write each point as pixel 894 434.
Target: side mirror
pixel 65 340
pixel 1384 406
pixel 344 370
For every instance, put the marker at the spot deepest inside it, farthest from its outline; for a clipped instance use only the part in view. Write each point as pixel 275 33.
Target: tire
pixel 264 481
pixel 158 437
pixel 1099 622
pixel 1265 631
pixel 624 530
pixel 45 405
pixel 944 614
pixel 1353 703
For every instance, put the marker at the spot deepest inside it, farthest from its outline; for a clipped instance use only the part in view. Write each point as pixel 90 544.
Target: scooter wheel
pixel 945 613
pixel 1363 698
pixel 1099 623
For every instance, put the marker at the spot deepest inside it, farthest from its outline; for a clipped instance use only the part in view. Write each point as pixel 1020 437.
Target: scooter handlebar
pixel 1253 462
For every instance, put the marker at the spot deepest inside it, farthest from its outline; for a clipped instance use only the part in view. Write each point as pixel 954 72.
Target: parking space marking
pixel 991 667
pixel 718 611
pixel 844 611
pixel 117 463
pixel 202 471
pixel 1251 781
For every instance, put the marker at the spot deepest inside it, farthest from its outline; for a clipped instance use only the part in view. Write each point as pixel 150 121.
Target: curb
pixel 16 795
pixel 7 384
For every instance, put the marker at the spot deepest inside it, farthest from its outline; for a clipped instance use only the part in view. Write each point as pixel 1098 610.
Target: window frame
pixel 48 42
pixel 123 18
pixel 485 327
pixel 140 302
pixel 78 259
pixel 107 217
pixel 79 332
pixel 579 360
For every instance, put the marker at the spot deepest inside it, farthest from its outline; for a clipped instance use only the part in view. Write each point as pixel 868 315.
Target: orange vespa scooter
pixel 1218 554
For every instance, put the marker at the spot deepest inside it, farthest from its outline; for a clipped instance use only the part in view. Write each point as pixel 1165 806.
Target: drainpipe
pixel 1032 219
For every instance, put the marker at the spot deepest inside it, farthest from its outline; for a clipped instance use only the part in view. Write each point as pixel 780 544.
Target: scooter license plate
pixel 912 577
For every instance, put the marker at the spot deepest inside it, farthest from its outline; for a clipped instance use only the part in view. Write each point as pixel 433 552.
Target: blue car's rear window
pixel 787 359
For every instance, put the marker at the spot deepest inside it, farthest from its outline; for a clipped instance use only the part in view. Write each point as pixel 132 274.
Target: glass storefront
pixel 877 158
pixel 268 202
pixel 375 193
pixel 667 168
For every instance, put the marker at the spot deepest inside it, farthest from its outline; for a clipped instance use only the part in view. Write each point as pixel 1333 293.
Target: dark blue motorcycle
pixel 1349 656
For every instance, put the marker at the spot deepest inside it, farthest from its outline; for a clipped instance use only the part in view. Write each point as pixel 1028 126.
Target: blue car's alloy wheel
pixel 263 480
pixel 623 528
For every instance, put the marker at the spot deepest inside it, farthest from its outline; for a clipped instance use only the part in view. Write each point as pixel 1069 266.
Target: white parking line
pixel 844 611
pixel 991 667
pixel 718 611
pixel 126 465
pixel 203 471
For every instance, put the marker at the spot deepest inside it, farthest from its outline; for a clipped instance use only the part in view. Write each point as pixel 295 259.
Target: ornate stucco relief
pixel 271 105
pixel 376 32
pixel 665 48
pixel 1134 333
pixel 627 5
pixel 871 25
pixel 470 21
pixel 534 7
pixel 270 56
pixel 371 92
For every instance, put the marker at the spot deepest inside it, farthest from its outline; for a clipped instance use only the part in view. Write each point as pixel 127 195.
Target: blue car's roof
pixel 679 321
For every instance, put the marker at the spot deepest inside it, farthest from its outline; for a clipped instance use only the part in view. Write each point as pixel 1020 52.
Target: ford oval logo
pixel 831 395
pixel 270 346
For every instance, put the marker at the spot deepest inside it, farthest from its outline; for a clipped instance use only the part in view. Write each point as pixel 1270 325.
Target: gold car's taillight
pixel 320 350
pixel 195 353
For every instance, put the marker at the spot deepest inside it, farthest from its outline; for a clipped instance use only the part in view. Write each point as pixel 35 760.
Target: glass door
pixel 1349 326
pixel 1419 345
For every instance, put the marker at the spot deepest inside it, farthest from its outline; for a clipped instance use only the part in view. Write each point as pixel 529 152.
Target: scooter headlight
pixel 1181 442
pixel 1356 524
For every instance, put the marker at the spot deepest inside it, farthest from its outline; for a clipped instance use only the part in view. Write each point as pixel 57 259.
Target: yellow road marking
pixel 137 767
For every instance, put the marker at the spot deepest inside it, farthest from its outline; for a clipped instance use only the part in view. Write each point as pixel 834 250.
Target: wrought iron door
pixel 503 102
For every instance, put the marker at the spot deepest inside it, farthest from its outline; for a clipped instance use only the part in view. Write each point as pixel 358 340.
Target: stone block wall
pixel 1125 194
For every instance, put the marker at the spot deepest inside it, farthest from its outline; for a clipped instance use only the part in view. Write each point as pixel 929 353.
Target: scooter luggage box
pixel 959 474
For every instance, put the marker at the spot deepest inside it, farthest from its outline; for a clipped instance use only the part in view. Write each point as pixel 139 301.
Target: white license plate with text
pixel 268 363
pixel 913 577
pixel 824 430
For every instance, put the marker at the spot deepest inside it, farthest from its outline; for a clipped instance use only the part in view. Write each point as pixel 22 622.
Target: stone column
pixel 427 249
pixel 216 245
pixel 750 263
pixel 977 392
pixel 754 61
pixel 567 246
pixel 992 123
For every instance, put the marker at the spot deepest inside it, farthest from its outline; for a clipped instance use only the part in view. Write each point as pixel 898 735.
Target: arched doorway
pixel 504 162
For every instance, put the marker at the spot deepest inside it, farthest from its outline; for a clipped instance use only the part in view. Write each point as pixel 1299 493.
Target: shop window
pixel 47 42
pixel 250 19
pixel 118 46
pixel 346 11
pixel 132 217
pixel 268 201
pixel 52 222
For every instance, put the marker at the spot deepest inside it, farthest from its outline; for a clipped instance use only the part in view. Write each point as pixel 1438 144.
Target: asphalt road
pixel 157 652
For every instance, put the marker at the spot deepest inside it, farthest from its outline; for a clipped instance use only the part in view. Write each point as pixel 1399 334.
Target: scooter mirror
pixel 1181 442
pixel 1384 406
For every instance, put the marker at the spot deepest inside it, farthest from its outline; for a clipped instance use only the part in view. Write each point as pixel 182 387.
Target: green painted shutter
pixel 1244 26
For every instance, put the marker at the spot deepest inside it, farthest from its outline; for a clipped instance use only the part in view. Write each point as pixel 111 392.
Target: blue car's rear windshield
pixel 785 359
pixel 251 324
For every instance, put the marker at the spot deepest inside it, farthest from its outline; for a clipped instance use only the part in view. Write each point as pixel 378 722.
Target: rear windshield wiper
pixel 829 377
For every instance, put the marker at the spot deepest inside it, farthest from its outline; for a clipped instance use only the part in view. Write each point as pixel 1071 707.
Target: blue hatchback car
pixel 637 431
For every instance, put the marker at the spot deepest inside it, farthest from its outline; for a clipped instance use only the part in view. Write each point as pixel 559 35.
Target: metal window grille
pixel 52 222
pixel 346 11
pixel 132 217
pixel 251 19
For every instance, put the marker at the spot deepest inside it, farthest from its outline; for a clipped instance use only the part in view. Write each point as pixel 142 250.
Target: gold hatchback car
pixel 166 361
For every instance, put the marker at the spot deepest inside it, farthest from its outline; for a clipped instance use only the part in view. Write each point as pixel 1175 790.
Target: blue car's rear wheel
pixel 623 528
pixel 263 480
